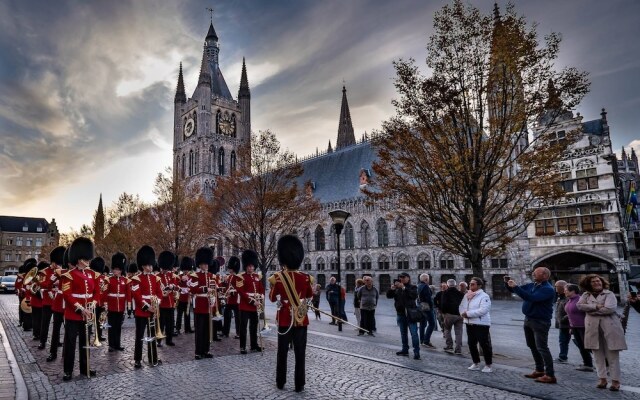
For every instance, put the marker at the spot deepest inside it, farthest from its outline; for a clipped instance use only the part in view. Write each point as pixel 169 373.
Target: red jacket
pixel 170 283
pixel 47 278
pixel 301 286
pixel 117 294
pixel 248 285
pixel 200 283
pixel 79 288
pixel 58 299
pixel 233 298
pixel 183 287
pixel 19 288
pixel 34 299
pixel 143 286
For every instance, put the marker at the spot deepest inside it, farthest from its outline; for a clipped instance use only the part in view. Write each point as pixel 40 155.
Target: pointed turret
pixel 553 101
pixel 205 75
pixel 244 82
pixel 346 137
pixel 98 228
pixel 181 96
pixel 623 154
pixel 244 99
pixel 211 34
pixel 329 149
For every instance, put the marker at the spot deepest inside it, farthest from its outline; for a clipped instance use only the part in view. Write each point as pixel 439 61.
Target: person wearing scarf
pixel 475 309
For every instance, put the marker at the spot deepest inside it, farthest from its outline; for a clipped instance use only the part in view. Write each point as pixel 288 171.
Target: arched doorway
pixel 573 265
pixel 322 280
pixel 385 282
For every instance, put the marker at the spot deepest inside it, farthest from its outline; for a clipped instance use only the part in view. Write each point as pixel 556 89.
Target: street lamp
pixel 339 217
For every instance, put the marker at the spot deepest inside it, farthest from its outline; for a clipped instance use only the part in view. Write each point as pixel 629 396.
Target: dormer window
pixel 39 228
pixel 365 174
pixel 25 228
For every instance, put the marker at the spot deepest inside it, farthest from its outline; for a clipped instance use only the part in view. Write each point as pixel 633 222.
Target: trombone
pixel 89 322
pixel 153 324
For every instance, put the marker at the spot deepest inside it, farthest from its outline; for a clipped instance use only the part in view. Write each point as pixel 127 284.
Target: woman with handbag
pixel 476 311
pixel 425 301
pixel 603 329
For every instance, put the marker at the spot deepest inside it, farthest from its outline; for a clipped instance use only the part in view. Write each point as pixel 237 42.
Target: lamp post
pixel 339 217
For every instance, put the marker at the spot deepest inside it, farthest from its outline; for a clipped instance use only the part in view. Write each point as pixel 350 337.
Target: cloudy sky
pixel 86 87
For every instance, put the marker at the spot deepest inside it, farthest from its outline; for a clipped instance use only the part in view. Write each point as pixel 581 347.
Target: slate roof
pixel 218 85
pixel 336 175
pixel 594 127
pixel 15 224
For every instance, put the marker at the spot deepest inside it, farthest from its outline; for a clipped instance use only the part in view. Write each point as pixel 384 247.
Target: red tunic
pixel 117 294
pixel 19 288
pixel 233 298
pixel 47 278
pixel 199 284
pixel 248 285
pixel 301 286
pixel 34 299
pixel 170 283
pixel 183 286
pixel 58 299
pixel 79 288
pixel 143 286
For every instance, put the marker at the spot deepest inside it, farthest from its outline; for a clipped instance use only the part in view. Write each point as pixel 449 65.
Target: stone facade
pixel 22 238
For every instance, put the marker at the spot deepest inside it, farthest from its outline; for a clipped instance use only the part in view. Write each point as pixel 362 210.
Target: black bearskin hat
pixel 65 259
pixel 166 260
pixel 290 251
pixel 233 264
pixel 204 255
pixel 80 249
pixel 133 268
pixel 42 265
pixel 186 264
pixel 119 261
pixel 107 270
pixel 249 257
pixel 97 264
pixel 214 267
pixel 156 268
pixel 29 263
pixel 21 269
pixel 145 256
pixel 57 256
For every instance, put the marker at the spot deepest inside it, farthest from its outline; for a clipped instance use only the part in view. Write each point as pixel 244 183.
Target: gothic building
pixel 210 126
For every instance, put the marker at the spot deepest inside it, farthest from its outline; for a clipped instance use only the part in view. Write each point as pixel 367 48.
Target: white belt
pixel 146 297
pixel 82 296
pixel 116 295
pixel 202 295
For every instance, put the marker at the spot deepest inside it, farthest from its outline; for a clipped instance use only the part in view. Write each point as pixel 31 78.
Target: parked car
pixel 8 284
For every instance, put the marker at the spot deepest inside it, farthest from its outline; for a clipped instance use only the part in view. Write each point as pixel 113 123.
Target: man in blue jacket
pixel 538 309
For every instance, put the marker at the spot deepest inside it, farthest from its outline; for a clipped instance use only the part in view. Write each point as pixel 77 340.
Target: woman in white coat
pixel 476 311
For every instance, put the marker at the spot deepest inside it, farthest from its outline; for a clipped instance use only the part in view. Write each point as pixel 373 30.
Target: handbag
pixel 425 307
pixel 414 315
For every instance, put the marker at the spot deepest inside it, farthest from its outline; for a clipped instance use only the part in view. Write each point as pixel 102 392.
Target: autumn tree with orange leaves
pixel 459 156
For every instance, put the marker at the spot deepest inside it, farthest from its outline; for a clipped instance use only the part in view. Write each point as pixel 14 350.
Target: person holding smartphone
pixel 632 298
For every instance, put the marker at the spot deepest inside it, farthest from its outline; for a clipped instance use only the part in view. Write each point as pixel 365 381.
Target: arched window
pixel 212 159
pixel 424 261
pixel 233 125
pixel 176 169
pixel 332 237
pixel 195 123
pixel 334 263
pixel 383 262
pixel 422 237
pixel 364 235
pixel 383 233
pixel 218 116
pixel 349 264
pixel 196 162
pixel 401 232
pixel 307 239
pixel 221 161
pixel 403 261
pixel 320 264
pixel 190 162
pixel 348 236
pixel 232 167
pixel 184 168
pixel 319 238
pixel 446 262
pixel 365 263
pixel 306 265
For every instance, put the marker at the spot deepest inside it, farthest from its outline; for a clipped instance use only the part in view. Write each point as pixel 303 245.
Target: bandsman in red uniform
pixel 34 289
pixel 251 290
pixel 214 269
pixel 145 288
pixel 20 294
pixel 24 294
pixel 169 284
pixel 79 288
pixel 292 292
pixel 184 300
pixel 201 284
pixel 232 297
pixel 48 278
pixel 131 272
pixel 57 307
pixel 117 295
pixel 97 265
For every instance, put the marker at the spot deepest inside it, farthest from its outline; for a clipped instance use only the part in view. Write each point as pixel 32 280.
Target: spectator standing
pixel 463 287
pixel 356 301
pixel 425 301
pixel 450 305
pixel 407 313
pixel 632 298
pixel 603 329
pixel 332 292
pixel 476 311
pixel 562 322
pixel 576 322
pixel 368 295
pixel 437 304
pixel 538 308
pixel 316 300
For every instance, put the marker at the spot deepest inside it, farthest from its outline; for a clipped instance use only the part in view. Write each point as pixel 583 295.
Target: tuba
pixel 156 304
pixel 31 276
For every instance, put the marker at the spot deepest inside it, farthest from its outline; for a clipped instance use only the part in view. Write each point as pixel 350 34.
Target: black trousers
pixel 298 337
pixel 36 315
pixel 75 330
pixel 367 319
pixel 58 319
pixel 44 324
pixel 20 312
pixel 183 307
pixel 201 321
pixel 228 310
pixel 479 334
pixel 114 333
pixel 250 317
pixel 166 323
pixel 143 329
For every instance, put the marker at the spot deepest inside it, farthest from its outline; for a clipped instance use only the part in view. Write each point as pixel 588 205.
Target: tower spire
pixel 346 136
pixel 181 96
pixel 205 76
pixel 98 228
pixel 244 82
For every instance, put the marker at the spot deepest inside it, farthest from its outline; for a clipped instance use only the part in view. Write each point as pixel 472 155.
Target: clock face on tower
pixel 189 127
pixel 226 125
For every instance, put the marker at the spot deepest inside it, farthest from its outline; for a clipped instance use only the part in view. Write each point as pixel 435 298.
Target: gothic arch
pixel 221 161
pixel 593 254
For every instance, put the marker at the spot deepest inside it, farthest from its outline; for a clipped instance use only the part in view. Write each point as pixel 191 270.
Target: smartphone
pixel 507 278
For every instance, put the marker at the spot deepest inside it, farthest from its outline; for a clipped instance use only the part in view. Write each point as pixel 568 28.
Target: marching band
pixel 74 289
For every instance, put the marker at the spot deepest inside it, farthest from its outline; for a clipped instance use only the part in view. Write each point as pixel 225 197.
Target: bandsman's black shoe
pixel 51 357
pixel 66 377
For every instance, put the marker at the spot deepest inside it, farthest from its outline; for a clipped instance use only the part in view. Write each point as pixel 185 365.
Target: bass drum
pixel 25 306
